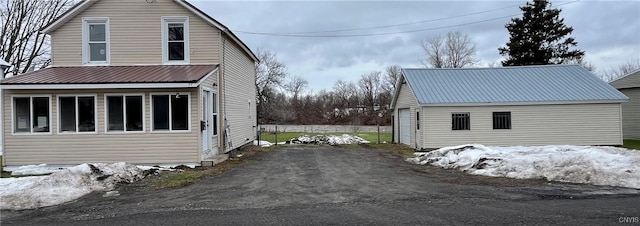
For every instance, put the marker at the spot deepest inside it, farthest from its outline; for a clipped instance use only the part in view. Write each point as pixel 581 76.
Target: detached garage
pixel 509 106
pixel 630 86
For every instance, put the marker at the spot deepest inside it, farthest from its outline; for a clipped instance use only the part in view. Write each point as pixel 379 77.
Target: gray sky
pixel 608 31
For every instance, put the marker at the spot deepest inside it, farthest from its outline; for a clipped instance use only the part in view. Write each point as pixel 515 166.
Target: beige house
pixel 630 86
pixel 132 80
pixel 529 105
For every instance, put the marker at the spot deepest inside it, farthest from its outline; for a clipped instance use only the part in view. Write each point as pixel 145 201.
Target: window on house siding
pixel 77 114
pixel 170 112
pixel 460 121
pixel 175 45
pixel 214 101
pixel 31 115
pixel 124 113
pixel 502 120
pixel 96 40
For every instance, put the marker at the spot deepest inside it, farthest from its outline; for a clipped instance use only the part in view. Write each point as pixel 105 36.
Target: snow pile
pixel 64 185
pixel 41 169
pixel 565 163
pixel 328 139
pixel 263 143
pixel 346 139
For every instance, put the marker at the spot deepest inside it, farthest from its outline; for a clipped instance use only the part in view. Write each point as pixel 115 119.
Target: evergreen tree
pixel 539 37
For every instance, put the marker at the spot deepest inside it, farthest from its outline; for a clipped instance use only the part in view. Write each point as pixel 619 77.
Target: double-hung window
pixel 77 114
pixel 170 112
pixel 95 41
pixel 461 121
pixel 124 113
pixel 175 40
pixel 32 114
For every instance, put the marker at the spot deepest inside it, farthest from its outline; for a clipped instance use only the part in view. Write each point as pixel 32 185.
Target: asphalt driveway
pixel 320 185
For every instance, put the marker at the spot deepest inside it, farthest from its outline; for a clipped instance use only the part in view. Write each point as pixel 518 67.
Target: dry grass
pixel 189 176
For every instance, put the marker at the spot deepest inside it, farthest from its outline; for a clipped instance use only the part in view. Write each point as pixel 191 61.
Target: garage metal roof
pixel 524 84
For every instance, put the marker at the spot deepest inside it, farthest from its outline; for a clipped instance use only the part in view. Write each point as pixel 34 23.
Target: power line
pixel 308 34
pixel 385 26
pixel 375 34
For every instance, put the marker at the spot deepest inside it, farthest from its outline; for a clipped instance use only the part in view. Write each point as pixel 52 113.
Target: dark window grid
pixel 502 120
pixel 460 121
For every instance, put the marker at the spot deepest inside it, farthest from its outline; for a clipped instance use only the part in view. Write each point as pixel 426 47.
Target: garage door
pixel 405 124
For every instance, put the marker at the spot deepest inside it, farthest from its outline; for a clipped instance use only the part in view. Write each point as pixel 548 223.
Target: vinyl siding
pixel 631 113
pixel 239 77
pixel 629 81
pixel 406 99
pixel 577 124
pixel 135 30
pixel 58 148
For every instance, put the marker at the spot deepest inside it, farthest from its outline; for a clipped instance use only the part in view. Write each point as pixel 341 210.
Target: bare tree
pixel 454 50
pixel 370 88
pixel 622 69
pixel 23 46
pixel 434 49
pixel 270 76
pixel 296 86
pixel 392 74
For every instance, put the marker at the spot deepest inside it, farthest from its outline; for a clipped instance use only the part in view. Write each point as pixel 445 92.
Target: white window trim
pixel 95 114
pixel 86 57
pixel 124 111
pixel 188 94
pixel 165 20
pixel 13 116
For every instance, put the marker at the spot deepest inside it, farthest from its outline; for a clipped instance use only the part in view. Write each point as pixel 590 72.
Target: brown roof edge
pixel 114 75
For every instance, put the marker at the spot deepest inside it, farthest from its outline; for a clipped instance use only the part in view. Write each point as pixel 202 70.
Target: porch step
pixel 215 160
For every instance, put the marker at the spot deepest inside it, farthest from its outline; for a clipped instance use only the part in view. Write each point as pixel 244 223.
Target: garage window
pixel 460 121
pixel 417 120
pixel 502 120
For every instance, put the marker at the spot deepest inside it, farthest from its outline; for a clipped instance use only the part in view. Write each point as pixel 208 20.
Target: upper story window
pixel 175 40
pixel 95 40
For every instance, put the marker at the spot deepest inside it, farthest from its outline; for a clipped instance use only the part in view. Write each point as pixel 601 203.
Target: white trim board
pixel 103 86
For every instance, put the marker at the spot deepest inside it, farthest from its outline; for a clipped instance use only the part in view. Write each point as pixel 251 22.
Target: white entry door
pixel 205 123
pixel 404 126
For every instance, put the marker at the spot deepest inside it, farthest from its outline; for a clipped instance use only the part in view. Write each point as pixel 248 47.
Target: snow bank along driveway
pixel 576 164
pixel 64 185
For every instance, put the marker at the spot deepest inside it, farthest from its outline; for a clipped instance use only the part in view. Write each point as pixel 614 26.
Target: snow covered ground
pixel 319 139
pixel 576 164
pixel 64 185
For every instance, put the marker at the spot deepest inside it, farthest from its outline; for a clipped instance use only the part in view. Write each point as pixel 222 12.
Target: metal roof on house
pixel 631 80
pixel 524 84
pixel 113 74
